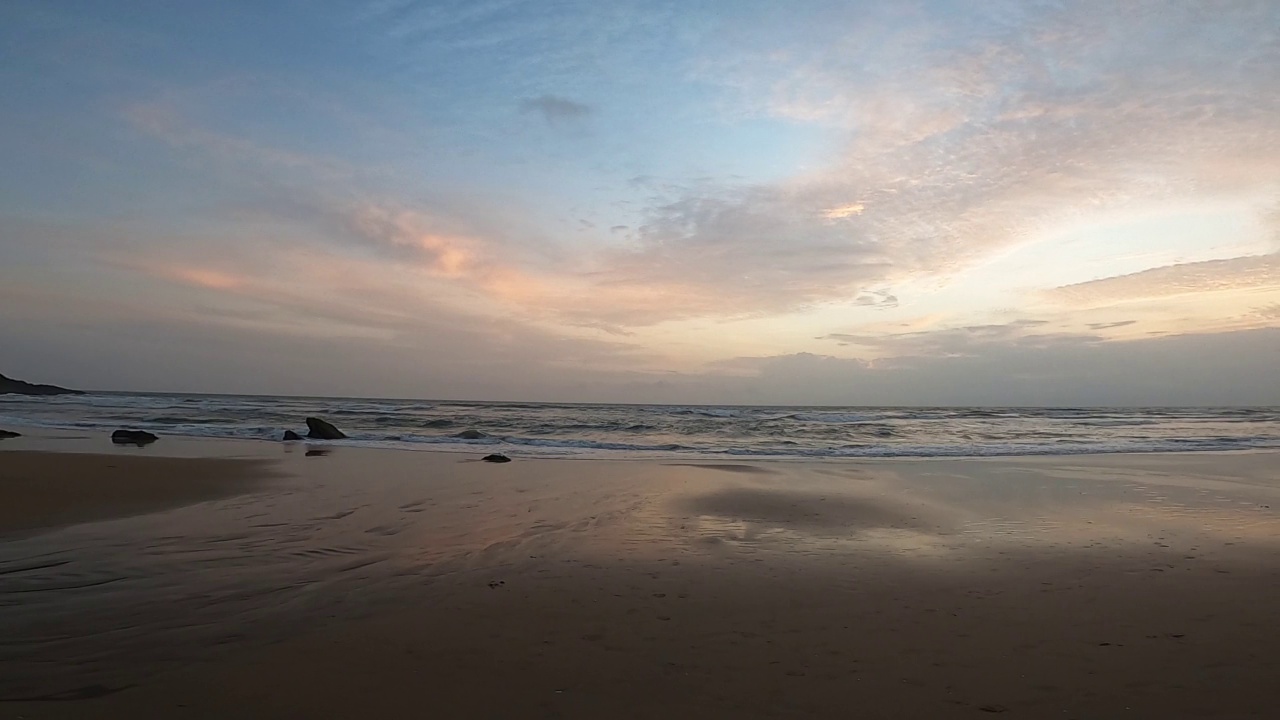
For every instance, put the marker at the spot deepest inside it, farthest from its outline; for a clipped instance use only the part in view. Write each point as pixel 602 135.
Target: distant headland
pixel 9 386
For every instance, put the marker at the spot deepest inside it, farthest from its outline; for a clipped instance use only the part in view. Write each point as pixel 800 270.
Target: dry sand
pixel 401 584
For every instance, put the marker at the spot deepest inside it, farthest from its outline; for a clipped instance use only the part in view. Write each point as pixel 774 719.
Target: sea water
pixel 647 431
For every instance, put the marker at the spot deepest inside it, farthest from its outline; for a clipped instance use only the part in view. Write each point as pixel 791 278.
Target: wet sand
pixel 45 490
pixel 383 583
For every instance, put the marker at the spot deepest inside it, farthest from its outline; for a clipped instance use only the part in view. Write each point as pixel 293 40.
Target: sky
pixel 700 201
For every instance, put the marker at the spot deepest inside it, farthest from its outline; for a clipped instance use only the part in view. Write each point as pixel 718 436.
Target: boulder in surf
pixel 133 437
pixel 318 429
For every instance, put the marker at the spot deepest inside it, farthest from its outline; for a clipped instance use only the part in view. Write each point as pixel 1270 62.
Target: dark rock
pixel 291 435
pixel 133 437
pixel 471 435
pixel 318 452
pixel 18 387
pixel 318 429
pixel 9 434
pixel 496 458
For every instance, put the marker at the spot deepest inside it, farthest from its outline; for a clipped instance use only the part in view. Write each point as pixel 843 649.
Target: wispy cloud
pixel 1111 325
pixel 164 120
pixel 421 237
pixel 844 211
pixel 1257 272
pixel 968 340
pixel 878 299
pixel 555 109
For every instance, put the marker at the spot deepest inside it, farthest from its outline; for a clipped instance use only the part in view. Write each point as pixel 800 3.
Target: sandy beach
pixel 640 360
pixel 262 581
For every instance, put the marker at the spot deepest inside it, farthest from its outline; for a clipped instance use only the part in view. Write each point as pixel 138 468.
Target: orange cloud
pixel 212 279
pixel 844 211
pixel 452 255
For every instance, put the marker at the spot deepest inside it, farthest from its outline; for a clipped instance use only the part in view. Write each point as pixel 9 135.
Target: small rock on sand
pixel 291 435
pixel 9 434
pixel 496 458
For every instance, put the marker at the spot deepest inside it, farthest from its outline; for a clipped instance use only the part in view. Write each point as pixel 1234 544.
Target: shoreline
pixel 219 468
pixel 46 439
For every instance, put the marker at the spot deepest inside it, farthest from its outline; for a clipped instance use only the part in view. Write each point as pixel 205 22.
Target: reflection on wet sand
pixel 355 584
pixel 728 467
pixel 801 510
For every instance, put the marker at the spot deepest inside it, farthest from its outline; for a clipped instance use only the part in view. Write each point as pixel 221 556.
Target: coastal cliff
pixel 10 386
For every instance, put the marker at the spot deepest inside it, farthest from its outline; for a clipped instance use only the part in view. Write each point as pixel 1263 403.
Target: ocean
pixel 672 431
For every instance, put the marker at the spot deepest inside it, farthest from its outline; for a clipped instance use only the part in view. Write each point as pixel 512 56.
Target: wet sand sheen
pixel 414 583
